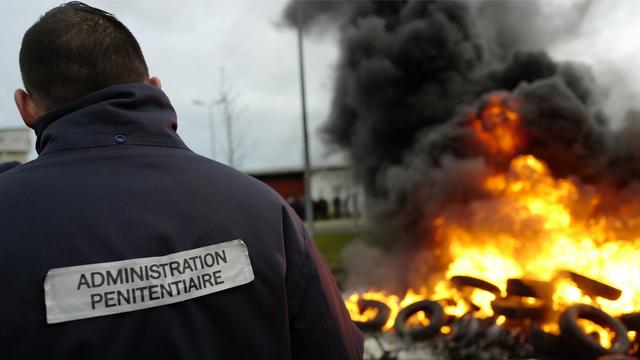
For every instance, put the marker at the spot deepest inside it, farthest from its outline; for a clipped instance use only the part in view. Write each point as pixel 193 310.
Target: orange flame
pixel 532 225
pixel 496 125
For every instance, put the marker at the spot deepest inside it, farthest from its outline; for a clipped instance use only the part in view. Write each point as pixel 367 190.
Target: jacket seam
pixel 110 145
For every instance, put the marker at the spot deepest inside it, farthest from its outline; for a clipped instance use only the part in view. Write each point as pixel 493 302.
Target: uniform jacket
pixel 6 166
pixel 113 181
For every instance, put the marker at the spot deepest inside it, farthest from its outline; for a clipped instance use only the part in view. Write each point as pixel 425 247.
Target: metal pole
pixel 212 131
pixel 307 166
pixel 229 131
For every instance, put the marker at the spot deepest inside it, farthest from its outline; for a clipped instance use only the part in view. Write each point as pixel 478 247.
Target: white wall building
pixel 334 184
pixel 337 182
pixel 15 144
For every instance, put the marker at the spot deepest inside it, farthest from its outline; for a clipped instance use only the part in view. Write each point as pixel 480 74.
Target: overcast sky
pixel 187 42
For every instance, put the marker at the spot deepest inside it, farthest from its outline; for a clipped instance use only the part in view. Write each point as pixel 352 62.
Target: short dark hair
pixel 75 49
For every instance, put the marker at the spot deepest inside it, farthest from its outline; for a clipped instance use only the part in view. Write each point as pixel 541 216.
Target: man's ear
pixel 155 81
pixel 28 110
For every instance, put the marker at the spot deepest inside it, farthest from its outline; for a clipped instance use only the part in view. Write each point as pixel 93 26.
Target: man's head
pixel 71 51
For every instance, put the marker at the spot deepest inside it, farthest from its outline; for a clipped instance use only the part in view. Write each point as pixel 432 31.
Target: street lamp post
pixel 308 204
pixel 209 106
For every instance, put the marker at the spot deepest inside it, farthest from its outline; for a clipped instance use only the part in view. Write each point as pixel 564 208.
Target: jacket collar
pixel 133 114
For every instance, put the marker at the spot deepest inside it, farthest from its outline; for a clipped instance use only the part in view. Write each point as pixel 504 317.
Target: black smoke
pixel 408 73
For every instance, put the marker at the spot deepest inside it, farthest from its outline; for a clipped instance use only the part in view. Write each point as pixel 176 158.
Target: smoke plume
pixel 409 74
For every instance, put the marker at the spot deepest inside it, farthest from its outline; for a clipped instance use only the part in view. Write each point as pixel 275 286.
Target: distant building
pixel 288 182
pixel 15 144
pixel 337 186
pixel 334 191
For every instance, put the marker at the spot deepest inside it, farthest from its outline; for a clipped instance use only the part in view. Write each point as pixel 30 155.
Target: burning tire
pixel 547 343
pixel 381 318
pixel 436 320
pixel 631 321
pixel 465 330
pixel 617 357
pixel 530 288
pixel 468 281
pixel 517 308
pixel 572 333
pixel 593 287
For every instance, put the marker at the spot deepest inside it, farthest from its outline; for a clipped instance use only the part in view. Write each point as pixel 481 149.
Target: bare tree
pixel 235 128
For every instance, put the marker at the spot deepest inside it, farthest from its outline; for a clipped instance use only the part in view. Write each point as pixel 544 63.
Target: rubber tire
pixel 436 320
pixel 631 321
pixel 530 288
pixel 469 281
pixel 593 287
pixel 464 331
pixel 571 332
pixel 374 325
pixel 545 343
pixel 503 306
pixel 617 357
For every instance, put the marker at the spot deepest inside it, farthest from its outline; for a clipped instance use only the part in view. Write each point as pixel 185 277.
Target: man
pixel 118 242
pixel 6 166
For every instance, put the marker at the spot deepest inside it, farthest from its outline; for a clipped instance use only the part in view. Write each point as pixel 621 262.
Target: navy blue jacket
pixel 113 181
pixel 6 166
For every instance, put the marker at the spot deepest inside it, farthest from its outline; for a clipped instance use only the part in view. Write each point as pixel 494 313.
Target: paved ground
pixel 387 347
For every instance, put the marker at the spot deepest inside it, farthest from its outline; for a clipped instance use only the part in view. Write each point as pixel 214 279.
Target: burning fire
pixel 537 226
pixel 530 225
pixel 496 126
